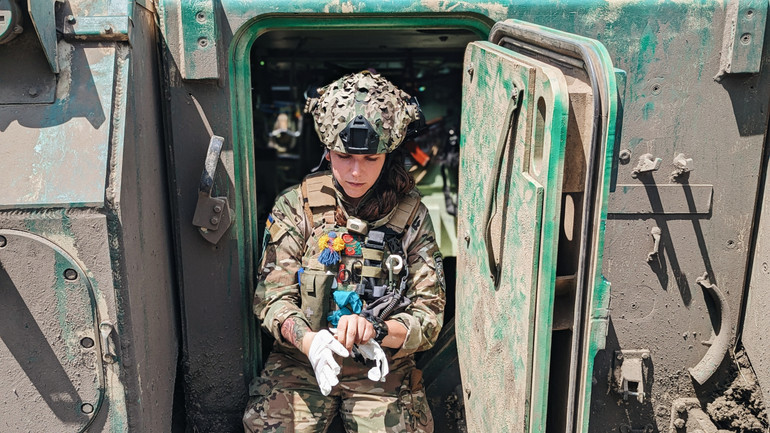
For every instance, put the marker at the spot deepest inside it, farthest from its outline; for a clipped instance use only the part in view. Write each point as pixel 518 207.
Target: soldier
pixel 351 280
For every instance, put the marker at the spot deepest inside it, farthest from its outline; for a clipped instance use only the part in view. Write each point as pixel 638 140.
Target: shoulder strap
pixel 319 199
pixel 404 213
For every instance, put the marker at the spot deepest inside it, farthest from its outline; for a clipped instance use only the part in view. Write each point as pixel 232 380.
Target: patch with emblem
pixel 352 246
pixel 438 260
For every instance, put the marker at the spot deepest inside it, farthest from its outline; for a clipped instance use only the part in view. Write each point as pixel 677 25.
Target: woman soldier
pixel 351 279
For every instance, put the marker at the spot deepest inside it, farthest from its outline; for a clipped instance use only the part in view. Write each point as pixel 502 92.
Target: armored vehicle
pixel 596 171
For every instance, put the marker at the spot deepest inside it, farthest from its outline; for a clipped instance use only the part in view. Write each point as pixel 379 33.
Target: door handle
pixel 491 201
pixel 213 215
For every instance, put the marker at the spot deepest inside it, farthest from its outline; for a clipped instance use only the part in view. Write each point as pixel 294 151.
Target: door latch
pixel 647 163
pixel 212 214
pixel 629 373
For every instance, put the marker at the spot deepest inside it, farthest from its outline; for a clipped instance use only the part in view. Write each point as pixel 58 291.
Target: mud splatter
pixel 739 406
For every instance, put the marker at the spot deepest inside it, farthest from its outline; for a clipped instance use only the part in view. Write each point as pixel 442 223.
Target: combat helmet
pixel 362 113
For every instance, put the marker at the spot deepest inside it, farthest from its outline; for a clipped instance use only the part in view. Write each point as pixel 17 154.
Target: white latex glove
pixel 321 358
pixel 372 351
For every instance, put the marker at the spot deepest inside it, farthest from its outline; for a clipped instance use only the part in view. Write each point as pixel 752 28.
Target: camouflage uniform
pixel 286 396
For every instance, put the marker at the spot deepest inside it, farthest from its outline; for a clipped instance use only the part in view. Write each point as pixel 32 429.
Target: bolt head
pixel 645 356
pixel 679 423
pixel 624 156
pixel 70 274
pixel 71 19
pixel 217 208
pixel 32 91
pixel 108 28
pixel 214 220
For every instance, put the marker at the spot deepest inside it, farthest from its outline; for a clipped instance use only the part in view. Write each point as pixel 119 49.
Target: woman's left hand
pixel 354 329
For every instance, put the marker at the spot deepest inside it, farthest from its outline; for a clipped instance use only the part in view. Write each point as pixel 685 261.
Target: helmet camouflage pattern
pixel 362 113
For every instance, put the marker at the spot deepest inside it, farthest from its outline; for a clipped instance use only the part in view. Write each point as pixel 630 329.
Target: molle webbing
pixel 404 213
pixel 319 200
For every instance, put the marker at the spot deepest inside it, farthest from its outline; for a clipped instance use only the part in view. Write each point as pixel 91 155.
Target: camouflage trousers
pixel 286 399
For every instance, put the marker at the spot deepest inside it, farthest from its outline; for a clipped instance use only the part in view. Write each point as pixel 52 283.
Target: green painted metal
pixel 504 320
pixel 41 12
pixel 744 36
pixel 245 225
pixel 191 35
pixel 72 135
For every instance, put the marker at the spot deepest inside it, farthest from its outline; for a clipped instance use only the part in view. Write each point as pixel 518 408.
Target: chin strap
pixel 321 162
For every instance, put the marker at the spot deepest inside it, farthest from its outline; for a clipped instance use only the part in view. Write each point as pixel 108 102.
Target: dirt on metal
pixel 739 406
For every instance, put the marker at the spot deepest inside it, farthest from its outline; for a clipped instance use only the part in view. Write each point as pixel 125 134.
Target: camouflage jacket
pixel 291 277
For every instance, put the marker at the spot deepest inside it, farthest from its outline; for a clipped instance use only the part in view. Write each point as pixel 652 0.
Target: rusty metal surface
pixel 49 345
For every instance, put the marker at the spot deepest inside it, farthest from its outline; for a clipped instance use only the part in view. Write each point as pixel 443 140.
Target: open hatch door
pixel 537 134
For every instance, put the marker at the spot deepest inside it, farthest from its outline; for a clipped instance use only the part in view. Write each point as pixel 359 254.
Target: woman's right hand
pixel 354 329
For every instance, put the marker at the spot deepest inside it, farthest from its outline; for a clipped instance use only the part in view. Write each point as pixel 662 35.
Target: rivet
pixel 3 241
pixel 87 408
pixel 70 274
pixel 87 342
pixel 214 220
pixel 32 91
pixel 108 28
pixel 645 355
pixel 71 19
pixel 679 423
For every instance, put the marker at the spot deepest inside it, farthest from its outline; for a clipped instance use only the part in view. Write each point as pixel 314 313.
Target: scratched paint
pixel 495 332
pixel 61 149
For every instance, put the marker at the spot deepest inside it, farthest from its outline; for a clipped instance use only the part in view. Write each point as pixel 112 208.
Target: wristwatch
pixel 380 327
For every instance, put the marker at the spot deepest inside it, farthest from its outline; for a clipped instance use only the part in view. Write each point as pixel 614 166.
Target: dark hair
pixel 394 184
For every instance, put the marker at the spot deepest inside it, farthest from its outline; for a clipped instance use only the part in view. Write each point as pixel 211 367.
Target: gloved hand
pixel 371 350
pixel 321 358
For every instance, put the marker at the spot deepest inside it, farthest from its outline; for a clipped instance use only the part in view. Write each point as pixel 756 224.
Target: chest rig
pixel 372 262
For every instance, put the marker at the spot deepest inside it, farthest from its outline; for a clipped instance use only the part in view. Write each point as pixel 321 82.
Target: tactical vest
pixel 362 260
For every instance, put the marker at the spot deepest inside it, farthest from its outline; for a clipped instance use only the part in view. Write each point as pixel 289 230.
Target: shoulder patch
pixel 438 261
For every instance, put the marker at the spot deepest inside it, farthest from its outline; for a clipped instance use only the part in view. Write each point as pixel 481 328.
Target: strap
pixel 372 254
pixel 404 213
pixel 320 190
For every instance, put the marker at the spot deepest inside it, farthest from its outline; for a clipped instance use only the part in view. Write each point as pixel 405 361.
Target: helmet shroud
pixel 362 113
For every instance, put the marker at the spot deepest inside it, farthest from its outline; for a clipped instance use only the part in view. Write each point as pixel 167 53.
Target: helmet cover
pixel 362 113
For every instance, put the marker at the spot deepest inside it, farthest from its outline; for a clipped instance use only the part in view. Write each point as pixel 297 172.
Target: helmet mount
pixel 359 137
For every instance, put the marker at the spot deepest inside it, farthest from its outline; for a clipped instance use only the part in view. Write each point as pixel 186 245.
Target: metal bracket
pixel 212 214
pixel 100 28
pixel 41 12
pixel 108 347
pixel 743 38
pixel 190 31
pixel 682 165
pixel 647 163
pixel 629 372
